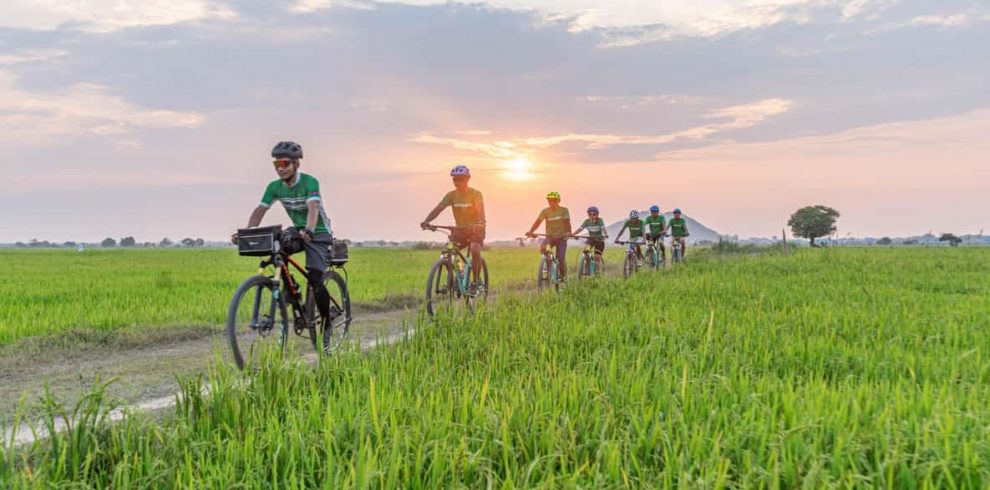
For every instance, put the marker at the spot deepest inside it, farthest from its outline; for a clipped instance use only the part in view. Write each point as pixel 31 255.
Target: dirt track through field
pixel 146 375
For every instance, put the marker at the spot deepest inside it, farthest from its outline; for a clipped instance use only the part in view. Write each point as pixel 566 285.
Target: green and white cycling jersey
pixel 596 227
pixel 678 227
pixel 295 199
pixel 466 205
pixel 655 224
pixel 635 228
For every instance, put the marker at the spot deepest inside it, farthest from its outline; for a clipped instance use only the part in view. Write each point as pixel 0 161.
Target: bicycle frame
pixel 452 255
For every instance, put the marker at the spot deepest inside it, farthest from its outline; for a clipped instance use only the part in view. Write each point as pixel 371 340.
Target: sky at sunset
pixel 155 118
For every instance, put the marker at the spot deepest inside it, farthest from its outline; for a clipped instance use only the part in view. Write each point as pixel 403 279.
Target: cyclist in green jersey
pixel 299 194
pixel 558 230
pixel 656 226
pixel 679 231
pixel 597 232
pixel 635 227
pixel 468 207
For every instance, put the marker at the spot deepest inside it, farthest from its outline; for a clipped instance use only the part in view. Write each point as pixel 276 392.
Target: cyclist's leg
pixel 683 248
pixel 663 248
pixel 562 257
pixel 317 261
pixel 599 246
pixel 477 243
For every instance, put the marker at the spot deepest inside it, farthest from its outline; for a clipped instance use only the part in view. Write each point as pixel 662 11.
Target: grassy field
pixel 61 290
pixel 848 368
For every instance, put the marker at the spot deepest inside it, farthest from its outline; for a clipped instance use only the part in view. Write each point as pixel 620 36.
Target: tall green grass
pixel 826 368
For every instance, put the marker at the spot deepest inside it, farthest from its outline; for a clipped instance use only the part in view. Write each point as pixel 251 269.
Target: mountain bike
pixel 587 265
pixel 548 273
pixel 265 305
pixel 653 256
pixel 632 262
pixel 450 276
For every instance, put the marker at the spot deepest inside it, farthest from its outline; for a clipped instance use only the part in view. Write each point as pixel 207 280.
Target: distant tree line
pixel 125 242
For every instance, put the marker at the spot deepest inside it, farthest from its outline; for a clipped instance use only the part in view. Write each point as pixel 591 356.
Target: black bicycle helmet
pixel 287 149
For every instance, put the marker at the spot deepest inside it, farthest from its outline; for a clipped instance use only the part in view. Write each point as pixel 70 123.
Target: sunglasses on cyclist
pixel 283 163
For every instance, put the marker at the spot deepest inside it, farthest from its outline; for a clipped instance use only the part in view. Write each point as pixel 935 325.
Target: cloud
pixel 106 15
pixel 729 118
pixel 31 56
pixel 28 117
pixel 649 20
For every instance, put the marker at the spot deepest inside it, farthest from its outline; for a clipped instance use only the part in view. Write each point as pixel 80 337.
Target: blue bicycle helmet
pixel 593 209
pixel 655 208
pixel 677 211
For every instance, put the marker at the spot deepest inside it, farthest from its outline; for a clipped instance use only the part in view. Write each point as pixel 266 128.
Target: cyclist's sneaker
pixel 475 288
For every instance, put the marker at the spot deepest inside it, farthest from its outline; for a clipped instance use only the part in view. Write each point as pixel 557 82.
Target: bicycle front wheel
pixel 584 266
pixel 441 289
pixel 257 322
pixel 629 266
pixel 543 274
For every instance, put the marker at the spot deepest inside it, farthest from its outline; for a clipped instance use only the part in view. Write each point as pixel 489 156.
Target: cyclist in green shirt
pixel 679 231
pixel 558 230
pixel 635 227
pixel 597 232
pixel 468 207
pixel 299 194
pixel 656 227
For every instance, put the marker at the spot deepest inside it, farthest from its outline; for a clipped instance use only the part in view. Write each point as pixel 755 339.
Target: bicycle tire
pixel 441 288
pixel 251 342
pixel 483 296
pixel 627 266
pixel 334 333
pixel 543 274
pixel 584 267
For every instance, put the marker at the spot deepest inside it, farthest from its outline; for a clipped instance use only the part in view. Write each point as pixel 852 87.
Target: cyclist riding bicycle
pixel 635 227
pixel 558 229
pixel 656 226
pixel 678 230
pixel 597 233
pixel 468 207
pixel 299 194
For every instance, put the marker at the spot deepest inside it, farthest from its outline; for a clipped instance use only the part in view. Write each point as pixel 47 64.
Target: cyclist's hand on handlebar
pixel 424 225
pixel 530 234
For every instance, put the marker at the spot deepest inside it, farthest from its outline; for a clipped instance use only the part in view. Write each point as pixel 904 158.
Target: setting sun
pixel 518 169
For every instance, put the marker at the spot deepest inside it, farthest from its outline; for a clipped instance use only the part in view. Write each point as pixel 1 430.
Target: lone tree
pixel 812 222
pixel 953 240
pixel 128 241
pixel 108 242
pixel 885 241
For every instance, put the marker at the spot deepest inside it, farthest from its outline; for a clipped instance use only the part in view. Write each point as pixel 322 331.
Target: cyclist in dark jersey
pixel 468 207
pixel 299 194
pixel 558 229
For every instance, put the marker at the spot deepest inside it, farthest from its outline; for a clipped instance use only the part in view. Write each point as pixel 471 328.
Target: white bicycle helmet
pixel 633 214
pixel 460 170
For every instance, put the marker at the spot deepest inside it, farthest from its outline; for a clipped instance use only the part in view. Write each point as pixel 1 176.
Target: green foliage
pixel 812 222
pixel 952 239
pixel 885 241
pixel 720 374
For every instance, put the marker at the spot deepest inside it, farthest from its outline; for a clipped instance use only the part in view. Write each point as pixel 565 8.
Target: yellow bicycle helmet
pixel 553 195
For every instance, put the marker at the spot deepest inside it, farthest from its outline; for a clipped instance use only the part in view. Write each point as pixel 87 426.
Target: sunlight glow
pixel 518 169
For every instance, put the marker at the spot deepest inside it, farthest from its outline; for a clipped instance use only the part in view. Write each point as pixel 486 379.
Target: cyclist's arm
pixel 313 214
pixel 578 231
pixel 617 237
pixel 436 212
pixel 568 223
pixel 536 224
pixel 256 216
pixel 480 204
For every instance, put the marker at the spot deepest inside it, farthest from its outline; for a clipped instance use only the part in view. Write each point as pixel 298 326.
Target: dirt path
pixel 146 374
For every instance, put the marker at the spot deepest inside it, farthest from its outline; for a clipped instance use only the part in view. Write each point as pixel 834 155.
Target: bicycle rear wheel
pixel 257 323
pixel 334 331
pixel 441 289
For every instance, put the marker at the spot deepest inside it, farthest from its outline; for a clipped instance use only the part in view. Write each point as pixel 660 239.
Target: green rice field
pixel 837 368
